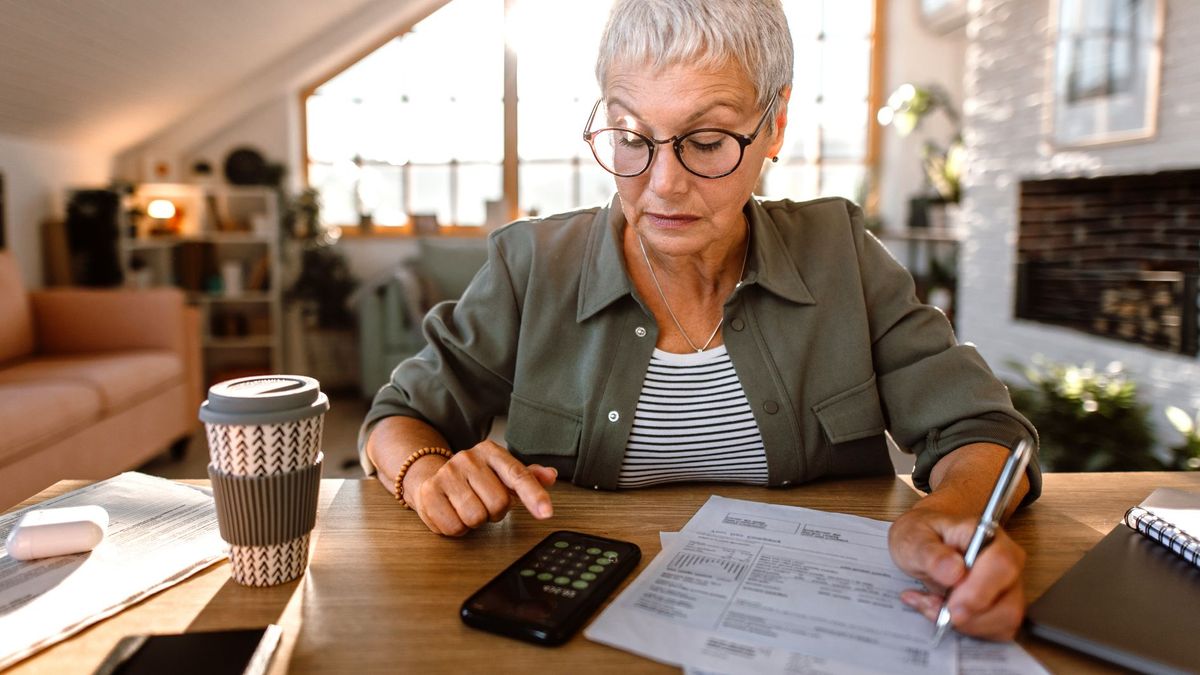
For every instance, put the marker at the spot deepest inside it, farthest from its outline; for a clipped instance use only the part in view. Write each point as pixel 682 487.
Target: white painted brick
pixel 1006 127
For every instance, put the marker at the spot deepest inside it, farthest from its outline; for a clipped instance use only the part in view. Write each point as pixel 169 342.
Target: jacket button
pixel 771 407
pixel 613 415
pixel 639 331
pixel 737 324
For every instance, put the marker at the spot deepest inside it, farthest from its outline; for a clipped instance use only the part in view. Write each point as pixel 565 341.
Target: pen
pixel 1006 485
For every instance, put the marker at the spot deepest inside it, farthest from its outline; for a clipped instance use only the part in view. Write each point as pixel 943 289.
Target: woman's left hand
pixel 988 601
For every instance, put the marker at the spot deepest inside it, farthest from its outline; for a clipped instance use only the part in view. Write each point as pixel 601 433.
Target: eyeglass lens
pixel 626 153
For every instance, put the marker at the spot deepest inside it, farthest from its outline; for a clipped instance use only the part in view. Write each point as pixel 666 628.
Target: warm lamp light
pixel 161 209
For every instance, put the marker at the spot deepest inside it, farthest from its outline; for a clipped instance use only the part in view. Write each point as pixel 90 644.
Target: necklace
pixel 666 304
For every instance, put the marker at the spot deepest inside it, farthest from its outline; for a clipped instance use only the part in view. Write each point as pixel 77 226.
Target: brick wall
pixel 1006 126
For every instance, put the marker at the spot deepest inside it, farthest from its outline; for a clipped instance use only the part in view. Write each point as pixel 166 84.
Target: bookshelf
pixel 220 244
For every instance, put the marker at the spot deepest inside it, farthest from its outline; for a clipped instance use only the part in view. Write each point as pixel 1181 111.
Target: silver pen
pixel 1006 485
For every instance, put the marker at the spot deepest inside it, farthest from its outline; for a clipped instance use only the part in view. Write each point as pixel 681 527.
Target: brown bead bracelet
pixel 399 483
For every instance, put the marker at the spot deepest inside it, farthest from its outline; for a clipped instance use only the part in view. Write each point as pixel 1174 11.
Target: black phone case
pixel 516 590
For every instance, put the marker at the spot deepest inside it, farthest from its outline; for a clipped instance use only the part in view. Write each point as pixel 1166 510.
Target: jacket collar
pixel 605 279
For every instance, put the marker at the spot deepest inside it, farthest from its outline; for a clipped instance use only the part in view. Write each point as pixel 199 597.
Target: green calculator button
pixel 587 576
pixel 561 544
pixel 593 551
pixel 579 584
pixel 562 581
pixel 545 576
pixel 596 568
pixel 527 573
pixel 603 561
pixel 610 554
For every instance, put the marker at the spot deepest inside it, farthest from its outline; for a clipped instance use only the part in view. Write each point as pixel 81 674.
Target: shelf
pixel 922 234
pixel 249 297
pixel 253 341
pixel 169 240
pixel 221 236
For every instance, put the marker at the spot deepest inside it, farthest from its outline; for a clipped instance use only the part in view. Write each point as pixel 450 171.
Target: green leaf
pixel 1180 420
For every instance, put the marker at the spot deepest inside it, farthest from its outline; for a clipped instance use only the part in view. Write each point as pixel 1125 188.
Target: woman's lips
pixel 670 220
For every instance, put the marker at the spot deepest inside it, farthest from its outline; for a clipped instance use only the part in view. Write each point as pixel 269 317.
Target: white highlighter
pixel 44 533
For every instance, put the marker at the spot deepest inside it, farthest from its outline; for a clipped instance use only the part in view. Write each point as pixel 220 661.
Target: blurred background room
pixel 191 192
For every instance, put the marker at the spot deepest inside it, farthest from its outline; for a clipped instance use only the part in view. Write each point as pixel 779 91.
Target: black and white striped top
pixel 693 423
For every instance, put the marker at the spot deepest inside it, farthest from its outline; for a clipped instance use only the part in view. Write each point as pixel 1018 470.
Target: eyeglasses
pixel 707 153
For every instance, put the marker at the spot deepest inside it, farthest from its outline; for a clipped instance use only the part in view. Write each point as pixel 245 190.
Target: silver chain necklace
pixel 666 304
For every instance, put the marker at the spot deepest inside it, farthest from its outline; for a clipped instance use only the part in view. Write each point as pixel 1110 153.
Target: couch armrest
pixel 70 321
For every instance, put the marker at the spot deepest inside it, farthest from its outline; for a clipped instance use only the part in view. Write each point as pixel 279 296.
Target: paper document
pixel 1180 508
pixel 759 588
pixel 159 533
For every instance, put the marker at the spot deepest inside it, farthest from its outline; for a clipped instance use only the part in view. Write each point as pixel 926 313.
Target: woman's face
pixel 675 211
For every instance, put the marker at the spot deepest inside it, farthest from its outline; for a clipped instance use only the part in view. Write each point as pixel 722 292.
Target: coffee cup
pixel 264 441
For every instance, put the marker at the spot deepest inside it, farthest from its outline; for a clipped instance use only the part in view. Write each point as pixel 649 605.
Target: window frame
pixel 511 162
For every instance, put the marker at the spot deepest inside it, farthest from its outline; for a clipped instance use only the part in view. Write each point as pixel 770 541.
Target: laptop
pixel 1129 601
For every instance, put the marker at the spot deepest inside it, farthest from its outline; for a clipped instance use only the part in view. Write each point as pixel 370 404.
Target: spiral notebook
pixel 1130 600
pixel 1172 518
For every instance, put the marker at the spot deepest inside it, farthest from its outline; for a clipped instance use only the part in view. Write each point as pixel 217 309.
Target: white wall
pixel 263 112
pixel 268 99
pixel 36 178
pixel 1008 140
pixel 917 55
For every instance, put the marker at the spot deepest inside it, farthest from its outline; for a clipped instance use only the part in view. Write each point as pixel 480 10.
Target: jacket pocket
pixel 537 429
pixel 852 414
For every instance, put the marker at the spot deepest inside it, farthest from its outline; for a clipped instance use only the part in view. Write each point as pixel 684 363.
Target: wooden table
pixel 382 593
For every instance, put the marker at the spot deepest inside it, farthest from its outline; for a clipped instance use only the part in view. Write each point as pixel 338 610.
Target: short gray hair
pixel 708 33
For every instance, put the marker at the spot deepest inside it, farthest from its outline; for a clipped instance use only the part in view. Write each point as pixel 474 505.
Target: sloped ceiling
pixel 105 74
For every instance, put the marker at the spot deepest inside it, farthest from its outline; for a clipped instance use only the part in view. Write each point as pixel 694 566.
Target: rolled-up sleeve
pixel 937 395
pixel 462 379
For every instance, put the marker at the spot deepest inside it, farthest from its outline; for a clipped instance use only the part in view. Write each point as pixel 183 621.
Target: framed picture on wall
pixel 1107 64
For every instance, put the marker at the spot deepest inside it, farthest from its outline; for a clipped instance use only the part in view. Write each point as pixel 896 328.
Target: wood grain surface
pixel 382 593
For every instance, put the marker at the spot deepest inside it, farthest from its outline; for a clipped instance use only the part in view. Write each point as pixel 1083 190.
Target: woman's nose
pixel 667 175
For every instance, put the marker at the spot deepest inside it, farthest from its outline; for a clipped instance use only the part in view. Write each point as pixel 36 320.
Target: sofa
pixel 92 382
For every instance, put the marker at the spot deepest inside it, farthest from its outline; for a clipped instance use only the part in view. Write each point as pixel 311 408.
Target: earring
pixel 775 159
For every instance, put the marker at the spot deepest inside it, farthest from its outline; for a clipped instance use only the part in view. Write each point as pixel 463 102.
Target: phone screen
pixel 549 591
pixel 225 652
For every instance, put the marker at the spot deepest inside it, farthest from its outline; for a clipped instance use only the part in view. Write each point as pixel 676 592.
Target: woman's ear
pixel 779 121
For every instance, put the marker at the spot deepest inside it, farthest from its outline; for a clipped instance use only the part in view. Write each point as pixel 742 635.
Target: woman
pixel 690 332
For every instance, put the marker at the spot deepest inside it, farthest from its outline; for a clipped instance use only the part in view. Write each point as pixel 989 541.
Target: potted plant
pixel 941 164
pixel 319 295
pixel 1087 419
pixel 1187 456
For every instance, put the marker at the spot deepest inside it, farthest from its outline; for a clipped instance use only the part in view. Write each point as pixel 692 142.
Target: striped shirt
pixel 693 423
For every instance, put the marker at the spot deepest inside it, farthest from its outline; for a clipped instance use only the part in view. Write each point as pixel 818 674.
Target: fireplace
pixel 1115 256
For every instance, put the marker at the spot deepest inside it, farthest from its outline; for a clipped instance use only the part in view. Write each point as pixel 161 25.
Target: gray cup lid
pixel 264 399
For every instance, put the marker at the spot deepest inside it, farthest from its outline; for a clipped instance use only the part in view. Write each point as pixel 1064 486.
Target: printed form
pixel 748 587
pixel 159 533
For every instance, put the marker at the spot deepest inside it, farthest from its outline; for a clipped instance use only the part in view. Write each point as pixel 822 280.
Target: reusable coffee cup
pixel 264 443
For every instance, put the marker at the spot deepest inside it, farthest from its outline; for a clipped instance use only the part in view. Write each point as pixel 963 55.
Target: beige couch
pixel 92 382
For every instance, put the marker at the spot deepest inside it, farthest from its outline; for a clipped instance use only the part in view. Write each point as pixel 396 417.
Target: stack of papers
pixel 159 533
pixel 748 587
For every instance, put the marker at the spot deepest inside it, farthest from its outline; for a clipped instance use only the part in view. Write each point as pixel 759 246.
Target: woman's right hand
pixel 454 496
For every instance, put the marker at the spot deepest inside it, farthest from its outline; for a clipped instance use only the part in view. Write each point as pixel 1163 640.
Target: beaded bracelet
pixel 399 483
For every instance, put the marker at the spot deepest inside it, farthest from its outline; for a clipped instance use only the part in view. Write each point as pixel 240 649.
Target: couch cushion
pixel 121 379
pixel 16 316
pixel 36 414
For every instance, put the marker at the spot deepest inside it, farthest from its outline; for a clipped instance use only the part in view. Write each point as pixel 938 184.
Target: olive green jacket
pixel 826 334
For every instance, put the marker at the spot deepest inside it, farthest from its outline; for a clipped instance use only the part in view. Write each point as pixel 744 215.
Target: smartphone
pixel 546 595
pixel 223 652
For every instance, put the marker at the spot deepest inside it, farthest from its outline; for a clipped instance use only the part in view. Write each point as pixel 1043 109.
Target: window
pixel 829 131
pixel 417 127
